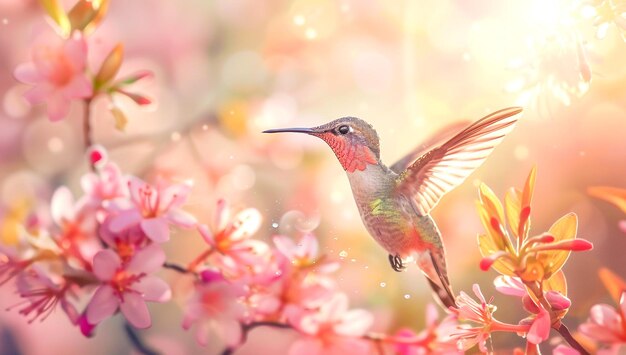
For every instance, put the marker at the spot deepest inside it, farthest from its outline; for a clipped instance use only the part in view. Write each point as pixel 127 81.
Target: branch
pixel 87 129
pixel 564 331
pixel 178 268
pixel 137 342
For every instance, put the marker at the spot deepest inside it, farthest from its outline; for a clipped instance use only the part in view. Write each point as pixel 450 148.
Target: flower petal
pixel 147 260
pixel 76 51
pixel 285 246
pixel 135 310
pixel 62 205
pixel 354 323
pixel 175 196
pixel 308 345
pixel 540 329
pixel 230 331
pixel 510 286
pixel 57 106
pixel 27 73
pixel 154 289
pixel 206 234
pixel 181 218
pixel 308 246
pixel 245 223
pixel 105 264
pixel 103 304
pixel 124 219
pixel 156 229
pixel 80 87
pixel 37 94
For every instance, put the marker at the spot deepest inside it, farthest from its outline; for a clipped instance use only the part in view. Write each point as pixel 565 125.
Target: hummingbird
pixel 395 202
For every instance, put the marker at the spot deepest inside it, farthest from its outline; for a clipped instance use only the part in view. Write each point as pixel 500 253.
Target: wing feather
pixel 443 168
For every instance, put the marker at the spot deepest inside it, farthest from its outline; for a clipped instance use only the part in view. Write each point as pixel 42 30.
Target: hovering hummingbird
pixel 395 202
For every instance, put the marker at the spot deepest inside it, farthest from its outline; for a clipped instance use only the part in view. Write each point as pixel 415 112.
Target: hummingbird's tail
pixel 433 265
pixel 444 292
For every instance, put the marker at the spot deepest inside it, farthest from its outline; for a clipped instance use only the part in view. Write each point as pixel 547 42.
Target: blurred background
pixel 227 69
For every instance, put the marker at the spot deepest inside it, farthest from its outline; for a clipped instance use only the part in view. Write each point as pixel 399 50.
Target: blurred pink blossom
pixel 215 306
pixel 58 75
pixel 77 226
pixel 127 286
pixel 332 329
pixel 606 324
pixel 304 253
pixel 42 295
pixel 434 338
pixel 153 208
pixel 230 239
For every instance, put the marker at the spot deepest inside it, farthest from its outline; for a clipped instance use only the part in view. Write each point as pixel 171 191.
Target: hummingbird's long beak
pixel 294 130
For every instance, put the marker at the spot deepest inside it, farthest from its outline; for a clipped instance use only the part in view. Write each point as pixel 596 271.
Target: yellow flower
pixel 514 253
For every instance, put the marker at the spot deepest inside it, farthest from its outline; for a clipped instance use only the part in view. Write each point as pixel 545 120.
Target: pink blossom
pixel 42 295
pixel 153 208
pixel 513 286
pixel 77 226
pixel 304 253
pixel 216 306
pixel 127 287
pixel 332 329
pixel 231 246
pixel 106 183
pixel 11 263
pixel 480 314
pixel 125 243
pixel 435 338
pixel 58 75
pixel 606 324
pixel 564 350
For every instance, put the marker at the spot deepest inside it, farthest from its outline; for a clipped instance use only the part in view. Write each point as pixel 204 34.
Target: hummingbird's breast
pixel 388 217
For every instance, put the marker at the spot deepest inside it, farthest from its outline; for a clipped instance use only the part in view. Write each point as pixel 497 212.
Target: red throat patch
pixel 351 156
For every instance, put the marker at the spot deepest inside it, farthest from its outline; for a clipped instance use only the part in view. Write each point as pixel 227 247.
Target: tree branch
pixel 565 333
pixel 178 268
pixel 137 342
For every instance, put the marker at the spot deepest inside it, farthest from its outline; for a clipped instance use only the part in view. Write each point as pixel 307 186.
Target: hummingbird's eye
pixel 343 129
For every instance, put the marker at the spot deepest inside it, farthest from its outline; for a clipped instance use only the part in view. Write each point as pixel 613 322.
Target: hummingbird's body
pixel 395 202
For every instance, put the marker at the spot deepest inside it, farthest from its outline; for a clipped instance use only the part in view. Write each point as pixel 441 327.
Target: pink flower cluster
pixel 104 246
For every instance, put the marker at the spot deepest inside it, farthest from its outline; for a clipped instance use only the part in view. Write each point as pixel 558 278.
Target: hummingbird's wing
pixel 435 139
pixel 443 168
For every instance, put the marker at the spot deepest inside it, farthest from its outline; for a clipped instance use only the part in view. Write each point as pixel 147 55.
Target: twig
pixel 177 268
pixel 87 129
pixel 137 342
pixel 564 331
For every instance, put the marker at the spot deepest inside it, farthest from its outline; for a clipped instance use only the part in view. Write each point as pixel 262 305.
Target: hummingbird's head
pixel 354 141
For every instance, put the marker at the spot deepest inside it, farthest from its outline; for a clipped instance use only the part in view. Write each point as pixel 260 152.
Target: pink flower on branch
pixel 216 306
pixel 153 208
pixel 127 286
pixel 232 249
pixel 435 338
pixel 480 314
pixel 304 253
pixel 58 75
pixel 332 329
pixel 607 324
pixel 41 295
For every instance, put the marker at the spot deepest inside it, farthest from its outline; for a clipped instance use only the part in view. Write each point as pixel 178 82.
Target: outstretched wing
pixel 443 168
pixel 436 139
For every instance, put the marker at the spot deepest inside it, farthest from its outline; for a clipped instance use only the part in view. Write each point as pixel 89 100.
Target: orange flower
pixel 529 258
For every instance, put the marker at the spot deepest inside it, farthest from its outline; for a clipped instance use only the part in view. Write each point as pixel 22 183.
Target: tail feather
pixel 444 296
pixel 433 265
pixel 444 293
